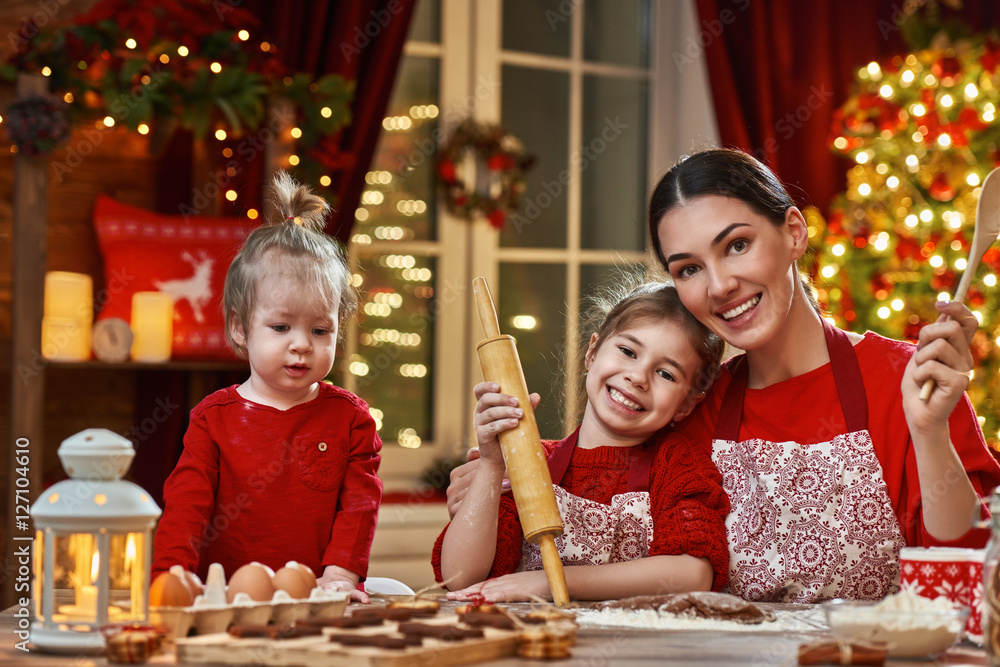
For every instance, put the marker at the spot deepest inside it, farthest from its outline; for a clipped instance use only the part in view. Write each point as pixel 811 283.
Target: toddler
pixel 282 467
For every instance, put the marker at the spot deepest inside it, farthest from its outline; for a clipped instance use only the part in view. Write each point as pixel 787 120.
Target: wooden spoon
pixel 985 234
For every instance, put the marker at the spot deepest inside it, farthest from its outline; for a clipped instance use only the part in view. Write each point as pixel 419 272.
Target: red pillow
pixel 185 257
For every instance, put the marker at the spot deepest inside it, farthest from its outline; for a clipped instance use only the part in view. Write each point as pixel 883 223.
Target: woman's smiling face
pixel 734 268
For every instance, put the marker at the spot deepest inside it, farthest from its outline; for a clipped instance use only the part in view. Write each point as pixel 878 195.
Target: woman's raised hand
pixel 942 355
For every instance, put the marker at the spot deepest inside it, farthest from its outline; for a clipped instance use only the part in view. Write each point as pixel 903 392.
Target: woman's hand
pixel 338 579
pixel 508 588
pixel 947 496
pixel 942 355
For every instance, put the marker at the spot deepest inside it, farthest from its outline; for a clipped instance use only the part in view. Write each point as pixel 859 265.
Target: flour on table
pixel 807 620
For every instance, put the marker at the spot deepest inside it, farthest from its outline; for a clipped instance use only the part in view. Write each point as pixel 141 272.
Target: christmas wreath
pixel 36 124
pixel 481 172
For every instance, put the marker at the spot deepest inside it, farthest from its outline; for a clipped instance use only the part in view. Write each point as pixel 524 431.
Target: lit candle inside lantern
pixel 86 595
pixel 68 316
pixel 152 326
pixel 134 577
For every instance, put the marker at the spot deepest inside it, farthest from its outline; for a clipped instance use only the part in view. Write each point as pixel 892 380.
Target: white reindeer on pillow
pixel 197 289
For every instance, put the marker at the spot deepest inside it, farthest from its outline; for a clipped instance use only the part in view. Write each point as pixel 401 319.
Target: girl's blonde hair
pixel 295 243
pixel 635 299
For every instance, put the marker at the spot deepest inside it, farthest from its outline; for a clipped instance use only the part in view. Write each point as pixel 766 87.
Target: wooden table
pixel 597 647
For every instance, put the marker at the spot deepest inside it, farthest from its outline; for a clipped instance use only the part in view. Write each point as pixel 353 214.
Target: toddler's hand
pixel 337 579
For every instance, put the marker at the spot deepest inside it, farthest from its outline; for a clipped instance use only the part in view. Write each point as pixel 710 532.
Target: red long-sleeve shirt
pixel 255 483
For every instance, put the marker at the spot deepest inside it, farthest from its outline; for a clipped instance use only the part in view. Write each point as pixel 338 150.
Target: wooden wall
pixel 112 162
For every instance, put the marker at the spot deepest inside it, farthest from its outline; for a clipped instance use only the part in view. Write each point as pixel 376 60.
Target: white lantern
pixel 93 545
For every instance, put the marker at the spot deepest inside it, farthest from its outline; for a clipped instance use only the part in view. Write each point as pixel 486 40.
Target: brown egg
pixel 292 581
pixel 253 579
pixel 169 590
pixel 305 571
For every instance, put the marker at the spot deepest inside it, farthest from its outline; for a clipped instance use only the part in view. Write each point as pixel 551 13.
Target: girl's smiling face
pixel 734 268
pixel 638 381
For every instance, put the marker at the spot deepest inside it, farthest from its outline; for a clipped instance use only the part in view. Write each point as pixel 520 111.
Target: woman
pixel 831 459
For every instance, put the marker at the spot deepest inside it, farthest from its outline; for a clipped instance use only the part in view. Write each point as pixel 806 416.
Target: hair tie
pixel 291 217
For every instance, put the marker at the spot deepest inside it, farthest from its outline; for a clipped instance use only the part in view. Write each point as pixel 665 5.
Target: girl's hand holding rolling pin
pixel 495 413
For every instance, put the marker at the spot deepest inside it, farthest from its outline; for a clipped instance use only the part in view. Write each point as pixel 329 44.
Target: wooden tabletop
pixel 596 646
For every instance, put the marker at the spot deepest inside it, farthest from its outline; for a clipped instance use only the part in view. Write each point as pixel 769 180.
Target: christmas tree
pixel 922 133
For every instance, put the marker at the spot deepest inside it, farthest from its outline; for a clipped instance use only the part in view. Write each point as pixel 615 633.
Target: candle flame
pixel 130 553
pixel 94 567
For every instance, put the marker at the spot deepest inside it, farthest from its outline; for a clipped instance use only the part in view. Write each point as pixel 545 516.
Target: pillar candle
pixel 69 295
pixel 66 339
pixel 68 316
pixel 152 326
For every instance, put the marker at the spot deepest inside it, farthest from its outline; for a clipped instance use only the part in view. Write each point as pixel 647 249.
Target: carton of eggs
pixel 255 594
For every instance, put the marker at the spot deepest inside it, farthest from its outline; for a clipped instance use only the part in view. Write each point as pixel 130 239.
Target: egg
pixel 193 583
pixel 190 580
pixel 306 572
pixel 254 579
pixel 169 590
pixel 292 581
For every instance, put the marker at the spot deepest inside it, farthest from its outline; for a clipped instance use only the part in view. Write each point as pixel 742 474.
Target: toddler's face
pixel 292 341
pixel 640 379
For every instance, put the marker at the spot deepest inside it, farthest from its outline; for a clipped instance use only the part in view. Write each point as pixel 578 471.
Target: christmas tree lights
pixel 922 133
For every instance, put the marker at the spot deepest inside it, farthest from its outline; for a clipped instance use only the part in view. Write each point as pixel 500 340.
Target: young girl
pixel 639 517
pixel 282 467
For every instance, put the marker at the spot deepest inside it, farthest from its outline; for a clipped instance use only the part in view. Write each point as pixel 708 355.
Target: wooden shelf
pixel 172 365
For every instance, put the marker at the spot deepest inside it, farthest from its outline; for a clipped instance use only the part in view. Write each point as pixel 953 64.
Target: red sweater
pixel 255 483
pixel 688 504
pixel 806 409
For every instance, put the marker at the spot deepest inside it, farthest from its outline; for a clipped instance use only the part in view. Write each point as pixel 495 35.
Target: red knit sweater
pixel 255 483
pixel 688 504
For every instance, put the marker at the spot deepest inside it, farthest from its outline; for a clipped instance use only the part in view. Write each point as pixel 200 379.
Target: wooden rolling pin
pixel 522 447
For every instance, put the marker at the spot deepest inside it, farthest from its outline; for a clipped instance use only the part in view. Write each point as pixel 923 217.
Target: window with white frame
pixel 574 81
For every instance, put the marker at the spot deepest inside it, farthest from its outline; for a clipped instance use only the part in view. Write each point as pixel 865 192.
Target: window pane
pixel 394 353
pixel 537 291
pixel 535 109
pixel 597 278
pixel 613 161
pixel 399 202
pixel 537 26
pixel 426 23
pixel 617 32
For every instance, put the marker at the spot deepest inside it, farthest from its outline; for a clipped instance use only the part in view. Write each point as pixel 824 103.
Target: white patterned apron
pixel 595 533
pixel 809 522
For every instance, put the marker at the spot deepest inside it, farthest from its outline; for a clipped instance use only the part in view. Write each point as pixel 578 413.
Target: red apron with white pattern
pixel 595 533
pixel 809 522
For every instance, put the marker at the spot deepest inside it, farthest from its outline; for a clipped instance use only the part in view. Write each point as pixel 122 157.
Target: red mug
pixel 956 574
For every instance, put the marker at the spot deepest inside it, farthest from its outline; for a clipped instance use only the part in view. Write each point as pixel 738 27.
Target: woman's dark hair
pixel 718 171
pixel 728 173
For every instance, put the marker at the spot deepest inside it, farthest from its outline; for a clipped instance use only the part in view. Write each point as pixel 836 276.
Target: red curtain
pixel 362 40
pixel 778 69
